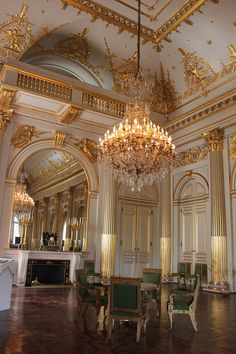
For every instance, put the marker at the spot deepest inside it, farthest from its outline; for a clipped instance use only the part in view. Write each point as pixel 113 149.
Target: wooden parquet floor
pixel 44 321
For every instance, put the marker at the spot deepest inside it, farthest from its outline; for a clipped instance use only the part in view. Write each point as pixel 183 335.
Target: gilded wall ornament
pixel 15 34
pixel 6 110
pixel 24 135
pixel 232 151
pixel 89 148
pixel 59 138
pixel 70 114
pixel 190 156
pixel 214 139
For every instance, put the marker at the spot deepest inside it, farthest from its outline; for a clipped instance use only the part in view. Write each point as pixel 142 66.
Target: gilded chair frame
pixel 191 308
pixel 156 271
pixel 139 318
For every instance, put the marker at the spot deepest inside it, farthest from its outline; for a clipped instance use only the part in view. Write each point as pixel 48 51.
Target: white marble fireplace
pixel 21 258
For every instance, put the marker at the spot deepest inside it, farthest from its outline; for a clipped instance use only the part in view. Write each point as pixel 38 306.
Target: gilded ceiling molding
pixel 24 135
pixel 232 150
pixel 203 113
pixel 59 139
pixel 89 148
pixel 214 139
pixel 199 73
pixel 70 114
pixel 6 110
pixel 163 96
pixel 124 23
pixel 190 156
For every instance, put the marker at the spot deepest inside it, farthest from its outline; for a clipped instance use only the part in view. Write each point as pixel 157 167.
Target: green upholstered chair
pixel 89 266
pixel 125 303
pixel 184 269
pixel 88 295
pixel 184 304
pixel 201 270
pixel 151 275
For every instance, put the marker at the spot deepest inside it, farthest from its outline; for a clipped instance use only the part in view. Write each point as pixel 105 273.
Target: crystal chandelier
pixel 23 204
pixel 137 151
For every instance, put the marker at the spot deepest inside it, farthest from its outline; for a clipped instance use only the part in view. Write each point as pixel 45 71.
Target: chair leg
pixel 139 325
pixel 193 320
pixel 171 319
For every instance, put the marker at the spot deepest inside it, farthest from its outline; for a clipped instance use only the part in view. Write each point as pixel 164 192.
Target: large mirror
pixel 50 205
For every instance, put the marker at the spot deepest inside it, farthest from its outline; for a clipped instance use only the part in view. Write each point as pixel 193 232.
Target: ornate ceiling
pixel 194 40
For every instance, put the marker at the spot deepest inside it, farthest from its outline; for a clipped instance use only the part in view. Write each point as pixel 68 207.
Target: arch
pixel 186 179
pixel 50 144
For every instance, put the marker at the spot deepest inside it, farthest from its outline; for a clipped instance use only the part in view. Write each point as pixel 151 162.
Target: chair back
pixel 125 296
pixel 89 266
pixel 184 268
pixel 151 275
pixel 81 277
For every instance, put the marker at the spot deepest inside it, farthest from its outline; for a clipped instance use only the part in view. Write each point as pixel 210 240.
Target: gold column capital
pixel 214 139
pixel 6 111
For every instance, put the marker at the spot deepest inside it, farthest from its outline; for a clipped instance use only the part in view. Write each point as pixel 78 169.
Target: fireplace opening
pixel 44 272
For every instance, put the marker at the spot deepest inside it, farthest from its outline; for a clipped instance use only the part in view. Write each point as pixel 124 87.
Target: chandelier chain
pixel 138 40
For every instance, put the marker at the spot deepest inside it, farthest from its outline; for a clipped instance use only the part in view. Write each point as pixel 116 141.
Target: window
pixel 15 230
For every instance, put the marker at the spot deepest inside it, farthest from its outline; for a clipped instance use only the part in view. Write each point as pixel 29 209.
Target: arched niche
pixel 26 152
pixel 191 186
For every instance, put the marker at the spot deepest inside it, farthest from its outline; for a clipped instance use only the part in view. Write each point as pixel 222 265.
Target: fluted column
pixel 35 236
pixel 69 235
pixel 215 142
pixel 108 244
pixel 165 241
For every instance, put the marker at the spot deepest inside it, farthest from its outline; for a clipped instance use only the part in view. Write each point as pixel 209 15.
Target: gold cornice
pixel 214 139
pixel 6 110
pixel 124 23
pixel 211 107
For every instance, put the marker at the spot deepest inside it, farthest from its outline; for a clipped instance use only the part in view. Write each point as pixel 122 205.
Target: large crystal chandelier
pixel 23 204
pixel 137 151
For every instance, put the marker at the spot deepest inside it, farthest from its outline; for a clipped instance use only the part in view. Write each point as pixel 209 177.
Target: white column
pixel 165 240
pixel 108 244
pixel 35 236
pixel 69 232
pixel 215 141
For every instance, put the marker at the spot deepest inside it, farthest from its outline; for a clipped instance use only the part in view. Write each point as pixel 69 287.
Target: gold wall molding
pixel 70 114
pixel 124 23
pixel 24 135
pixel 190 156
pixel 89 148
pixel 232 150
pixel 59 139
pixel 6 110
pixel 214 139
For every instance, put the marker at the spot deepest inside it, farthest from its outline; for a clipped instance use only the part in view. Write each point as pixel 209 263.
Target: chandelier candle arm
pixel 137 151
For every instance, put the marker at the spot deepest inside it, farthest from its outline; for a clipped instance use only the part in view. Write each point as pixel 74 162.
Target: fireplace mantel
pixel 21 258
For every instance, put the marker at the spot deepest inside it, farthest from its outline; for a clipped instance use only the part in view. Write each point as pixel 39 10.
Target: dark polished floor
pixel 43 320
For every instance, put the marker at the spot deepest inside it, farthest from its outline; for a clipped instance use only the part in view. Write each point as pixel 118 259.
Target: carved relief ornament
pixel 89 148
pixel 24 135
pixel 6 111
pixel 189 156
pixel 232 151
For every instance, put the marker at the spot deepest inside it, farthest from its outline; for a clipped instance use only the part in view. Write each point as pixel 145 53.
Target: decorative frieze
pixel 70 114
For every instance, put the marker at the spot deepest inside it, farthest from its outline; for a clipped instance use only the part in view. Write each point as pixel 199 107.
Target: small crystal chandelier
pixel 137 151
pixel 23 204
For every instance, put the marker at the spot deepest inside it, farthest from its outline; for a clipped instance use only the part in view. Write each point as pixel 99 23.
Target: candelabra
pixel 76 243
